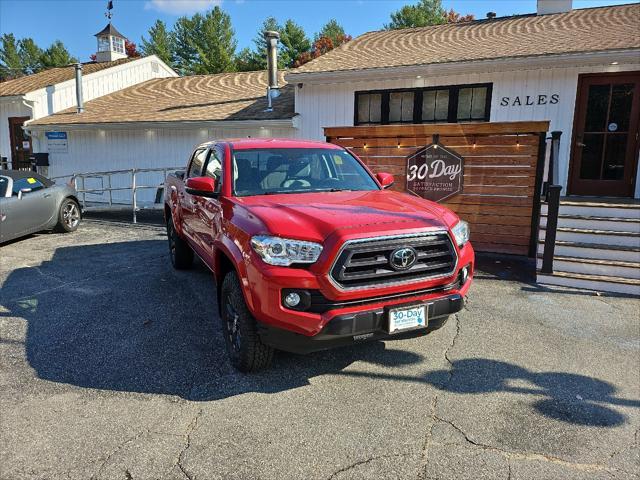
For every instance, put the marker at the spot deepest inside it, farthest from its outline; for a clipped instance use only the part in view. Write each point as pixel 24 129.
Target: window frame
pixel 452 116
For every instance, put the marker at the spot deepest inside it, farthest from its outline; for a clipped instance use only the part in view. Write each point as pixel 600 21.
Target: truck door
pixel 189 203
pixel 210 212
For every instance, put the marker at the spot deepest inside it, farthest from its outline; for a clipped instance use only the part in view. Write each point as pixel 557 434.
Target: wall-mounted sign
pixel 530 100
pixel 57 142
pixel 435 173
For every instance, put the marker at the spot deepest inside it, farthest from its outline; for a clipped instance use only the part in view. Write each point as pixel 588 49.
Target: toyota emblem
pixel 403 258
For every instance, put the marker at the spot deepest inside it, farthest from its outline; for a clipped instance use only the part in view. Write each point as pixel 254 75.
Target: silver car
pixel 30 203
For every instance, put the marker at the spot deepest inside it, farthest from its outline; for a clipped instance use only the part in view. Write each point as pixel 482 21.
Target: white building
pixel 48 92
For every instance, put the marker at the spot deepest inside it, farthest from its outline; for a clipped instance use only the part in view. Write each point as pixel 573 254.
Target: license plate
pixel 407 318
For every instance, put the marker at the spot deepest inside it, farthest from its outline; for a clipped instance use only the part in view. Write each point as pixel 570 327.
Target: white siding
pixel 9 108
pixel 63 95
pixel 327 105
pixel 104 150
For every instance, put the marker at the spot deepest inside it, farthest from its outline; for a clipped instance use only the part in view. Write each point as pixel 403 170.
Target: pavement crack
pixel 116 450
pixel 434 403
pixel 187 444
pixel 531 456
pixel 365 461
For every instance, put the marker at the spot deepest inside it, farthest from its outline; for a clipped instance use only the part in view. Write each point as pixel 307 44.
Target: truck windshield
pixel 297 170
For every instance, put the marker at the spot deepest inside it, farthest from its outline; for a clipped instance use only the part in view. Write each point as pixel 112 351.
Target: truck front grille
pixel 368 263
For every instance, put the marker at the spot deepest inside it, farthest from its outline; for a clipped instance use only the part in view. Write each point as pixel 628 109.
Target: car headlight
pixel 284 251
pixel 461 232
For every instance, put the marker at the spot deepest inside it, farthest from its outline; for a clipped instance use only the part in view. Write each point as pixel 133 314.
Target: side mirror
pixel 201 186
pixel 385 179
pixel 22 192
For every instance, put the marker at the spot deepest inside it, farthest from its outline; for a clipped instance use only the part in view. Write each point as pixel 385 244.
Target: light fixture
pixel 292 299
pixel 517 141
pixel 398 143
pixel 474 142
pixel 614 63
pixel 418 76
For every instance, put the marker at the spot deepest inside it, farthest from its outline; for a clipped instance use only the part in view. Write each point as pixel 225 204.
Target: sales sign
pixel 435 173
pixel 57 142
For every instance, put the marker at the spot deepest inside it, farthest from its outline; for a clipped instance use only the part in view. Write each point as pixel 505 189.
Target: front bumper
pixel 365 325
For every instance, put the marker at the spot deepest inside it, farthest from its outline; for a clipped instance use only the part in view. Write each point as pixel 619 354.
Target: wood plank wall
pixel 501 172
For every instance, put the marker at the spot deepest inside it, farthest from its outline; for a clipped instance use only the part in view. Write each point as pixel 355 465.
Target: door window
pixel 33 183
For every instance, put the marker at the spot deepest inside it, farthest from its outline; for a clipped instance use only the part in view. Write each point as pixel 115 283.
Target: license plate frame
pixel 411 319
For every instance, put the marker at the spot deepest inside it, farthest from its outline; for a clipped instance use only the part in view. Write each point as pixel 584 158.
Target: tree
pixel 57 55
pixel 184 33
pixel 423 14
pixel 215 44
pixel 10 62
pixel 333 31
pixel 330 36
pixel 131 49
pixel 30 56
pixel 294 42
pixel 161 43
pixel 256 59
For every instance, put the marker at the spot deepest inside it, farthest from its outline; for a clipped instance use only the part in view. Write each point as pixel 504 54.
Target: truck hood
pixel 315 216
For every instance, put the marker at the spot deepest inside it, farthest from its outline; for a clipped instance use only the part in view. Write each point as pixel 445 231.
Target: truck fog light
pixel 464 275
pixel 292 299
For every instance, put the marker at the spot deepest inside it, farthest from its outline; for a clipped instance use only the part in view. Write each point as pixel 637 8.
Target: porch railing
pixel 107 189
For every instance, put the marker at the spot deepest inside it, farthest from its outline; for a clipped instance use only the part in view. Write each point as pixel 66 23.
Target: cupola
pixel 110 44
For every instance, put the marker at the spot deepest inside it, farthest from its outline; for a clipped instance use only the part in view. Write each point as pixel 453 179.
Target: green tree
pixel 184 33
pixel 56 55
pixel 30 56
pixel 10 62
pixel 215 44
pixel 423 14
pixel 333 31
pixel 161 43
pixel 294 43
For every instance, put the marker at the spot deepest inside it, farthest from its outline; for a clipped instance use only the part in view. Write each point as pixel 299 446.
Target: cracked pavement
pixel 112 366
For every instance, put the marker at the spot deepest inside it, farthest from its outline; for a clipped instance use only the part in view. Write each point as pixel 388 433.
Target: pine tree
pixel 334 31
pixel 161 43
pixel 10 62
pixel 30 56
pixel 57 55
pixel 423 14
pixel 215 43
pixel 294 42
pixel 184 33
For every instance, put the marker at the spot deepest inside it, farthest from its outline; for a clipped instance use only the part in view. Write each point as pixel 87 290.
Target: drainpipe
pixel 273 90
pixel 79 100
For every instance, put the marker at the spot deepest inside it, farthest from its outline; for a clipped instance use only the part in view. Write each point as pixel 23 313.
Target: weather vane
pixel 108 13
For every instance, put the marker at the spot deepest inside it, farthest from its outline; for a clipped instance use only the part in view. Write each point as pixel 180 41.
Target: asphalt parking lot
pixel 112 367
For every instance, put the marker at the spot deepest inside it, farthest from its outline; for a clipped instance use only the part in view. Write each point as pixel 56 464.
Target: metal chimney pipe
pixel 79 99
pixel 273 91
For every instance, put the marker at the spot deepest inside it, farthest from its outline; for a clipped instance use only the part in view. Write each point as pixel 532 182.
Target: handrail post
pixel 553 207
pixel 110 192
pixel 553 159
pixel 133 188
pixel 84 194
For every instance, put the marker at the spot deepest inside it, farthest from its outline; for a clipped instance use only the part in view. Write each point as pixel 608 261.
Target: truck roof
pixel 257 143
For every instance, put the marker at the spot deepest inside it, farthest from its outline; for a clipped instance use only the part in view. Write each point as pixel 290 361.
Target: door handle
pixel 46 195
pixel 580 144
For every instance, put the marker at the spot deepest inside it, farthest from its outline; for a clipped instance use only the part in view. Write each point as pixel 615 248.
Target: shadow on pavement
pixel 116 317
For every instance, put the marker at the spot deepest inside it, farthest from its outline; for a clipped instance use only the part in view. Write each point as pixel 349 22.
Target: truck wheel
pixel 68 216
pixel 179 251
pixel 246 351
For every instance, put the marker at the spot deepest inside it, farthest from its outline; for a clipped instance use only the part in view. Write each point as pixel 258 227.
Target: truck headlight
pixel 461 233
pixel 284 251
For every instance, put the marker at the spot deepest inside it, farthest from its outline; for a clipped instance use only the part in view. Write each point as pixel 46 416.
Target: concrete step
pixel 597 209
pixel 594 251
pixel 588 222
pixel 591 266
pixel 599 283
pixel 603 237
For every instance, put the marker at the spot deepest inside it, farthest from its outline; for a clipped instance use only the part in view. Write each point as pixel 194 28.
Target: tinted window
pixel 29 182
pixel 4 184
pixel 298 170
pixel 195 169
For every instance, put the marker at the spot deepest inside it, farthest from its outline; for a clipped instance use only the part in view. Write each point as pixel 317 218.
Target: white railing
pixel 105 194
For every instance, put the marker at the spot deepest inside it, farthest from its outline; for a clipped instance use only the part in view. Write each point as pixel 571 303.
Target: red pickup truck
pixel 310 250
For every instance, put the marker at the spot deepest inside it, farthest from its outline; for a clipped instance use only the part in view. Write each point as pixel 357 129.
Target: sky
pixel 76 21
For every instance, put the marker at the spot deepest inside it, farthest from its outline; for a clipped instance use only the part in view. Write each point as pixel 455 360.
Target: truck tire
pixel 179 251
pixel 68 216
pixel 246 351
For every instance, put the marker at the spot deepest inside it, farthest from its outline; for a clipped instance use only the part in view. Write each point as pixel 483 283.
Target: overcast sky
pixel 76 21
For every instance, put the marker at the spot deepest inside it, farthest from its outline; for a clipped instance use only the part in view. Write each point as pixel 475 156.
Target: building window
pixel 369 108
pixel 457 103
pixel 103 44
pixel 118 44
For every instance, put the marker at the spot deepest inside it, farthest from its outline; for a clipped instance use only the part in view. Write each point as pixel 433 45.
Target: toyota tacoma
pixel 310 250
